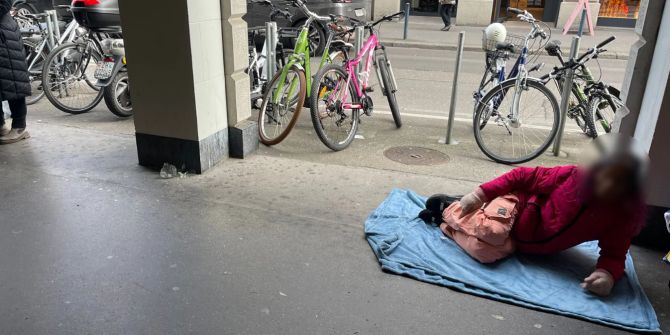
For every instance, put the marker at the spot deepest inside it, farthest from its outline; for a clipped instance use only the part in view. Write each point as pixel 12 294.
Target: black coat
pixel 14 79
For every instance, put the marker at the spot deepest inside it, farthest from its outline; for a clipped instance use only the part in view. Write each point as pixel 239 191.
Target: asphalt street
pixel 425 79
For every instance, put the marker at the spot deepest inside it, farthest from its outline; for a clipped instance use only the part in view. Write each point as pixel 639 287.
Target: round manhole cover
pixel 416 155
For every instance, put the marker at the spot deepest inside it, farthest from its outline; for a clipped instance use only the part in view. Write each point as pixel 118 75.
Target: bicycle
pixel 41 35
pixel 498 53
pixel 286 92
pixel 257 70
pixel 340 89
pixel 68 74
pixel 594 103
pixel 515 106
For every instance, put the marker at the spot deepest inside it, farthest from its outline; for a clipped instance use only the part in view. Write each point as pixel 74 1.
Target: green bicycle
pixel 285 94
pixel 593 103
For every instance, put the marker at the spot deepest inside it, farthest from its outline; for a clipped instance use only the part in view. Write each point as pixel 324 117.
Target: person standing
pixel 14 79
pixel 446 8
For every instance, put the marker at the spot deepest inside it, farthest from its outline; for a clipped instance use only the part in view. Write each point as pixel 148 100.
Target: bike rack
pixel 52 27
pixel 54 20
pixel 565 96
pixel 454 89
pixel 271 49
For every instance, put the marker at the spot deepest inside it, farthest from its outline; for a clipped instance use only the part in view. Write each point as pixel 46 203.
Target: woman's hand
pixel 472 201
pixel 600 282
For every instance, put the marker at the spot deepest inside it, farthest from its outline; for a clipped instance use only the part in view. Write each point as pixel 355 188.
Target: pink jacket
pixel 555 213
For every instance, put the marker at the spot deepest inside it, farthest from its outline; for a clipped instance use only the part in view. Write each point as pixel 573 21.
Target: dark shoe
pixel 14 136
pixel 435 205
pixel 445 28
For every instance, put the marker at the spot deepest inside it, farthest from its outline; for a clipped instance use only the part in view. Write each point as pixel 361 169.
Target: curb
pixel 433 46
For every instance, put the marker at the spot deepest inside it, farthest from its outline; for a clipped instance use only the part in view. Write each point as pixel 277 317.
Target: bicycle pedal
pixel 368 90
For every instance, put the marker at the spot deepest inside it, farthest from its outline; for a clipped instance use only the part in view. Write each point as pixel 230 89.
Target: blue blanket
pixel 405 245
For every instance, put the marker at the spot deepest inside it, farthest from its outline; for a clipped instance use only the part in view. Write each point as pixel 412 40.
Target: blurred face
pixel 612 183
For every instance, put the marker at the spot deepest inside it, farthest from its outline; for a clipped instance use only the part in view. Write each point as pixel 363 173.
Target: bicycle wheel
pixel 35 70
pixel 499 134
pixel 601 114
pixel 389 88
pixel 67 76
pixel 282 101
pixel 334 121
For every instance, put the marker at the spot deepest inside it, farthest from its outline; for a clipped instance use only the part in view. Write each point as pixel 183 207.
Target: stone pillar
pixel 474 12
pixel 176 66
pixel 646 92
pixel 386 7
pixel 567 6
pixel 243 133
pixel 639 63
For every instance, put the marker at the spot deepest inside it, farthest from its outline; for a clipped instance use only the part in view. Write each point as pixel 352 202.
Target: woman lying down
pixel 546 210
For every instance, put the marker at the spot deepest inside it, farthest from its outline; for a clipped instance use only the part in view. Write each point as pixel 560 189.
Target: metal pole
pixel 454 89
pixel 54 18
pixel 270 49
pixel 566 91
pixel 358 44
pixel 50 30
pixel 406 28
pixel 581 23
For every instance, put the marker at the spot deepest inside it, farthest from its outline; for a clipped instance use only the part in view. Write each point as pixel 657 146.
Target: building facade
pixel 619 13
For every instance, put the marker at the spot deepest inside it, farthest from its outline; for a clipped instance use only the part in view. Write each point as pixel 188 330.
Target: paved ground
pixel 92 243
pixel 424 33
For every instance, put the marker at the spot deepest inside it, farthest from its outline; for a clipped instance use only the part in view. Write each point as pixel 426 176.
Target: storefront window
pixel 624 9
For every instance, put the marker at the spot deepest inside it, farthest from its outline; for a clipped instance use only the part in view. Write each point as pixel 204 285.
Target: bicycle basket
pixel 489 45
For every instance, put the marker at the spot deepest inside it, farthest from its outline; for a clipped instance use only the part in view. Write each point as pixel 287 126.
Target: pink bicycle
pixel 339 92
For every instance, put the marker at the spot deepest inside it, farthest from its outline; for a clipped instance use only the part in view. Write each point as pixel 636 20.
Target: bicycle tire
pixel 46 75
pixel 502 89
pixel 387 80
pixel 263 137
pixel 596 116
pixel 37 74
pixel 316 115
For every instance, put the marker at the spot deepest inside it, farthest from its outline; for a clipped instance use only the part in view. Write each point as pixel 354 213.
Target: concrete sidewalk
pixel 92 243
pixel 425 33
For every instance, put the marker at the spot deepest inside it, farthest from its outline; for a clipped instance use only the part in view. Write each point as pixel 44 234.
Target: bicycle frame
pixel 301 57
pixel 366 51
pixel 68 35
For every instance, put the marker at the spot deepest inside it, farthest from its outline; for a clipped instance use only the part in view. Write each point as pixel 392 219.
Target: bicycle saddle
pixel 339 44
pixel 504 46
pixel 553 48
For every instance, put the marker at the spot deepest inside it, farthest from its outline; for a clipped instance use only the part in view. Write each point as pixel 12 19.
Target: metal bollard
pixel 454 89
pixel 51 29
pixel 565 96
pixel 406 28
pixel 54 20
pixel 580 32
pixel 358 44
pixel 270 49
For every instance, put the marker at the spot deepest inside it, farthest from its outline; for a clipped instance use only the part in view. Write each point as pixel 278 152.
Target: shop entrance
pixel 535 7
pixel 424 7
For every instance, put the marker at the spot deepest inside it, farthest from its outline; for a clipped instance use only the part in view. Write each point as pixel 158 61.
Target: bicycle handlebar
pixel 515 10
pixel 605 42
pixel 598 49
pixel 590 53
pixel 387 18
pixel 301 4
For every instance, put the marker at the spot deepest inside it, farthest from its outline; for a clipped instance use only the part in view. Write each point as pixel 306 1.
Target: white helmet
pixel 493 34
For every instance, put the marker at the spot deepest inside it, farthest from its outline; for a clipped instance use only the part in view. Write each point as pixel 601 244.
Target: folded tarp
pixel 407 246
